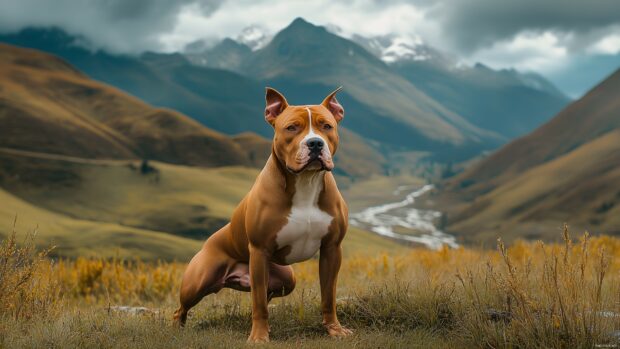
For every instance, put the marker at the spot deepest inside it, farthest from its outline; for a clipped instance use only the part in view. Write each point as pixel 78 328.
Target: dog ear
pixel 276 103
pixel 331 103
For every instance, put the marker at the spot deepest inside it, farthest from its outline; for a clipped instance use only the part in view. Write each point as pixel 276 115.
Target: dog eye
pixel 291 128
pixel 327 127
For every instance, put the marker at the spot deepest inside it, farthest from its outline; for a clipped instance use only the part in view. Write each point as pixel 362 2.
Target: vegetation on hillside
pixel 566 170
pixel 528 295
pixel 48 106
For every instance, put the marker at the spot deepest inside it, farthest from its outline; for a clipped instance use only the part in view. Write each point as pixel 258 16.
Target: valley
pixel 124 141
pixel 113 208
pixel 404 223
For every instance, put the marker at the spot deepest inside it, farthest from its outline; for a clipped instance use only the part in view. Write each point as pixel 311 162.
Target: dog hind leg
pixel 204 275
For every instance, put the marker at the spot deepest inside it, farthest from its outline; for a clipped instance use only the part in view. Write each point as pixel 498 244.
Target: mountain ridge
pixel 297 55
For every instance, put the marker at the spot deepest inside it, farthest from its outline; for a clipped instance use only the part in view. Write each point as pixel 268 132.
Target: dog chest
pixel 307 224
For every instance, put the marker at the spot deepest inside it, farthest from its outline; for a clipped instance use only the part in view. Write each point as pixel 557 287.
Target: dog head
pixel 306 137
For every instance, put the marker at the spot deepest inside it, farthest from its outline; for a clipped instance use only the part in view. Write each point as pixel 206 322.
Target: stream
pixel 384 219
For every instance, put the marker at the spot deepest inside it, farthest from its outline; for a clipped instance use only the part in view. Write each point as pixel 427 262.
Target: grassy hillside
pixel 77 203
pixel 566 171
pixel 187 201
pixel 579 188
pixel 161 80
pixel 82 237
pixel 73 237
pixel 581 122
pixel 47 106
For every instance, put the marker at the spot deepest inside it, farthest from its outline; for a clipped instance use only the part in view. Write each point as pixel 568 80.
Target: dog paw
pixel 179 319
pixel 258 337
pixel 338 331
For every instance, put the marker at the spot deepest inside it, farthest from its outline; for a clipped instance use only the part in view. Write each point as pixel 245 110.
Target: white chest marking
pixel 307 224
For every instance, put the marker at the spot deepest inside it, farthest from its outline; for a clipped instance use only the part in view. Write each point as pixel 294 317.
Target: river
pixel 383 219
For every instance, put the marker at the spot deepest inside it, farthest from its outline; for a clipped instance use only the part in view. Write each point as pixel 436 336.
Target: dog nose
pixel 315 145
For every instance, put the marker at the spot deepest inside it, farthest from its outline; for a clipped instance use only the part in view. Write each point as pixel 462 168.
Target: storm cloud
pixel 455 25
pixel 554 37
pixel 474 24
pixel 128 26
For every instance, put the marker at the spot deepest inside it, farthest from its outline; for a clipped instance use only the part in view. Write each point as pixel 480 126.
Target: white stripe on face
pixel 303 147
pixel 311 132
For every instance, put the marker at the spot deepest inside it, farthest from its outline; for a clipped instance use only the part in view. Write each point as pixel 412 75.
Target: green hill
pixel 78 237
pixel 110 209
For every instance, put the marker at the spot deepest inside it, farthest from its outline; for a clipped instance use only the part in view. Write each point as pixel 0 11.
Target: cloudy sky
pixel 575 43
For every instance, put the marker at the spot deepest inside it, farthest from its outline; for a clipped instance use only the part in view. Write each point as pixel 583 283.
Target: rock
pixel 133 310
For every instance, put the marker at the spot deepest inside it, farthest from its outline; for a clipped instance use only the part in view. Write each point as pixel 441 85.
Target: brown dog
pixel 293 210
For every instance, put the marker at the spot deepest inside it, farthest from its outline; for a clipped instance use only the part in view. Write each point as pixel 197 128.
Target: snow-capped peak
pixel 393 48
pixel 254 36
pixel 405 48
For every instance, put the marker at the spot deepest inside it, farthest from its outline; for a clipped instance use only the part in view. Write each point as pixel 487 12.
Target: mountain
pixel 227 54
pixel 567 170
pixel 394 48
pixel 225 101
pixel 383 106
pixel 414 103
pixel 48 106
pixel 219 99
pixel 505 101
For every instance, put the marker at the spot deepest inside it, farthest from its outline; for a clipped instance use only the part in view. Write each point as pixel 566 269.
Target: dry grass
pixel 28 284
pixel 523 296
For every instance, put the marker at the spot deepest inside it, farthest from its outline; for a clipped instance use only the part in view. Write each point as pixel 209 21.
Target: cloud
pixel 128 26
pixel 608 45
pixel 366 17
pixel 459 26
pixel 527 34
pixel 527 51
pixel 474 24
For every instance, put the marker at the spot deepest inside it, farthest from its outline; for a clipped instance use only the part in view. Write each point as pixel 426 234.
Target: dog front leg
pixel 259 279
pixel 329 265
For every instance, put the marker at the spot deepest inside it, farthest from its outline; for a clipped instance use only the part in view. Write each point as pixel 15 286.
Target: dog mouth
pixel 314 163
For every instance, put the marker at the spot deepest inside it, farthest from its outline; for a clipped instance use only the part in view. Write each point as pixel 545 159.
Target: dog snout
pixel 315 145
